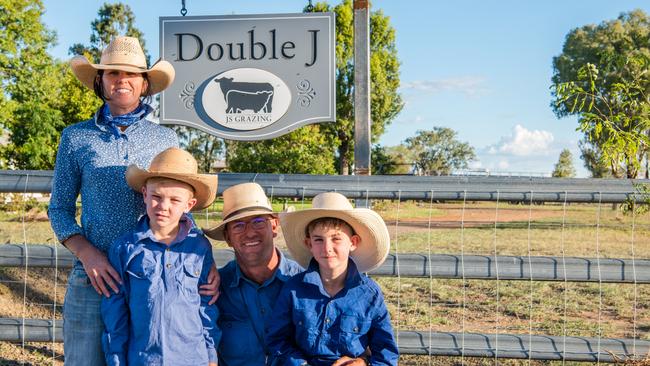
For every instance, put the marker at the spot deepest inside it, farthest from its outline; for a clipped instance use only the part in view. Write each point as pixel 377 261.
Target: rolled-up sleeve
pixel 65 190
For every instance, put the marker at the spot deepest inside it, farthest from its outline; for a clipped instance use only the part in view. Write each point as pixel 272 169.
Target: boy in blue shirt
pixel 332 314
pixel 158 317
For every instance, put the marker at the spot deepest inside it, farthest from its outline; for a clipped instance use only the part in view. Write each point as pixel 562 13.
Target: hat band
pixel 144 68
pixel 251 208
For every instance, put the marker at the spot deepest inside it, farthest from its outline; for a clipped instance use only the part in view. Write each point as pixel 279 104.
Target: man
pixel 250 284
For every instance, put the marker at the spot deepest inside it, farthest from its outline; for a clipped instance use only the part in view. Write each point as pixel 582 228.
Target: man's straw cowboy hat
pixel 124 54
pixel 373 247
pixel 240 201
pixel 177 164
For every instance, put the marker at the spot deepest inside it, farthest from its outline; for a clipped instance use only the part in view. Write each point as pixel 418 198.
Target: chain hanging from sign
pixel 183 10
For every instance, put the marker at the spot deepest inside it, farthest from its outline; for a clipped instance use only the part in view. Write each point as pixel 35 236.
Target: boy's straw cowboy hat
pixel 239 201
pixel 373 247
pixel 125 54
pixel 177 164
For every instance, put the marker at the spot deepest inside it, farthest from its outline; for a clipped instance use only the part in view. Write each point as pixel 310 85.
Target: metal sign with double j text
pixel 249 77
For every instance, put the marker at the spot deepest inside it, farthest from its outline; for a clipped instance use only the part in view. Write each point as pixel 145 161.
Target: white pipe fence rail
pixel 424 265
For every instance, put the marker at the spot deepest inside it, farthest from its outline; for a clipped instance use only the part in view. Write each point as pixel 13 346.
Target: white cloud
pixel 524 142
pixel 468 85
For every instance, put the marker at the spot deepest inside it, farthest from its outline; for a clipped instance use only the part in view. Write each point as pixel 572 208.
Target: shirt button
pixel 327 320
pixel 356 329
pixel 262 310
pixel 169 265
pixel 167 249
pixel 196 273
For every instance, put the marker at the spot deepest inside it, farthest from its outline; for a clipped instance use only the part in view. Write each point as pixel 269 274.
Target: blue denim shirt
pixel 92 161
pixel 310 327
pixel 244 307
pixel 158 317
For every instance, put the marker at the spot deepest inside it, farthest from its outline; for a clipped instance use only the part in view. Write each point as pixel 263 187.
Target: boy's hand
pixel 100 272
pixel 347 361
pixel 212 287
pixel 212 364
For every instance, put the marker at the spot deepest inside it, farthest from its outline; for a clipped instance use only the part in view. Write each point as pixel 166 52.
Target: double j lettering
pixel 191 46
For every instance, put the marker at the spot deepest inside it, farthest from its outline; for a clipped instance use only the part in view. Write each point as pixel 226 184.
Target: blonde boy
pixel 158 317
pixel 332 314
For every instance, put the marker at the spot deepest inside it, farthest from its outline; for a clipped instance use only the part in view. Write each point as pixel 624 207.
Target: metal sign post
pixel 361 88
pixel 361 92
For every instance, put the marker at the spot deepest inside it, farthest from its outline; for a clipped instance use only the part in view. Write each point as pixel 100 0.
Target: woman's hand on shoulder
pixel 348 361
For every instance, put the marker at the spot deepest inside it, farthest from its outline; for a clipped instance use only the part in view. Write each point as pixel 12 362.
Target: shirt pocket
pixel 354 330
pixel 141 271
pixel 189 279
pixel 306 327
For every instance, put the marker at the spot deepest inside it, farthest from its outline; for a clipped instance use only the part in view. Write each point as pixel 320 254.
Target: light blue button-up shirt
pixel 310 327
pixel 158 317
pixel 244 308
pixel 92 161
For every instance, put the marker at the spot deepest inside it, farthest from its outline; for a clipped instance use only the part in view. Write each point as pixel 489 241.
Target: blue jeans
pixel 82 326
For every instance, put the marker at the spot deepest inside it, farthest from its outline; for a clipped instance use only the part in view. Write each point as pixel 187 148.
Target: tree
pixel 592 159
pixel 438 152
pixel 113 20
pixel 564 166
pixel 205 148
pixel 29 81
pixel 385 101
pixel 391 160
pixel 603 77
pixel 304 150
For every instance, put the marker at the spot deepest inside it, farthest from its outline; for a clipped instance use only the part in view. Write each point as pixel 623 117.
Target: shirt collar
pixel 143 230
pixel 352 278
pixel 282 273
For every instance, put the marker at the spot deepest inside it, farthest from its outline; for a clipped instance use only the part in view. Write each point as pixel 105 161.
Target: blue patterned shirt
pixel 92 161
pixel 158 317
pixel 244 308
pixel 309 327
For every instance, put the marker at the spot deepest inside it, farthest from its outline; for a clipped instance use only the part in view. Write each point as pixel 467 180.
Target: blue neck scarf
pixel 124 120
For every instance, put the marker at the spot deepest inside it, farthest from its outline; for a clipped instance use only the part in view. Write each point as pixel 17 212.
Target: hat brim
pixel 371 251
pixel 205 185
pixel 217 231
pixel 160 75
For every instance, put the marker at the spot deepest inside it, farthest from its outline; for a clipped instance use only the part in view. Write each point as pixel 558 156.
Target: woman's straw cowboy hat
pixel 125 54
pixel 373 247
pixel 177 164
pixel 239 201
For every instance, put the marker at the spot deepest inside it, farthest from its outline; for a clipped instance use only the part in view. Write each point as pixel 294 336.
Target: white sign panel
pixel 249 77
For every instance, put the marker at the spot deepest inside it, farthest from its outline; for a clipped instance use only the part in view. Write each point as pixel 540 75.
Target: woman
pixel 91 161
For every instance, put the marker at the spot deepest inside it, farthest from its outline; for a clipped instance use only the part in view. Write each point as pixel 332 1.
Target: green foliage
pixel 438 152
pixel 205 148
pixel 391 160
pixel 113 20
pixel 603 77
pixel 591 156
pixel 639 203
pixel 30 84
pixel 564 166
pixel 385 101
pixel 304 150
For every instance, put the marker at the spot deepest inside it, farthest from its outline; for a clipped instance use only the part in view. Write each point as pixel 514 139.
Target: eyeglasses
pixel 238 227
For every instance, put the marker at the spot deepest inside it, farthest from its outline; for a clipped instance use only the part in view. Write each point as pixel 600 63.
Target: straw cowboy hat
pixel 125 54
pixel 177 164
pixel 239 201
pixel 375 240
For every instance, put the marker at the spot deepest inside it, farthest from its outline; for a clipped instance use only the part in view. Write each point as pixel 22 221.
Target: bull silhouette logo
pixel 245 96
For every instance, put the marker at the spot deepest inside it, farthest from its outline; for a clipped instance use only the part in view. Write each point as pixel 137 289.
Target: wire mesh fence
pixel 490 267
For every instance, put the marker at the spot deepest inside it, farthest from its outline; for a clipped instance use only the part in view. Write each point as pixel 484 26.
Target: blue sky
pixel 482 68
